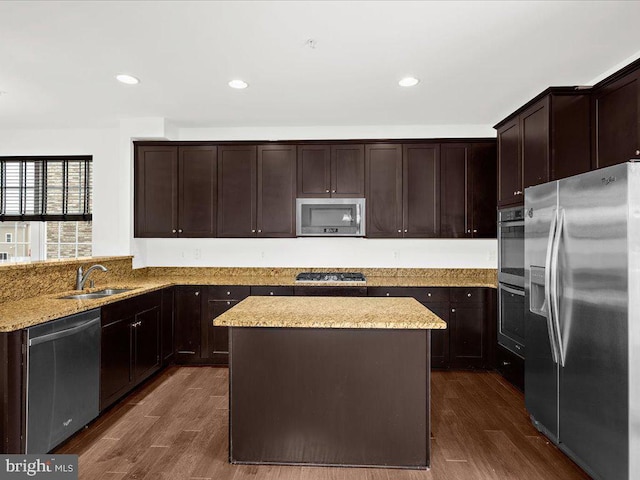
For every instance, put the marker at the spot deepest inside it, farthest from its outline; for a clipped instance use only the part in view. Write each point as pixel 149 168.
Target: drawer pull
pixel 453 310
pixel 270 293
pixel 228 302
pixel 428 294
pixel 468 294
pixel 197 293
pixel 387 294
pixel 505 363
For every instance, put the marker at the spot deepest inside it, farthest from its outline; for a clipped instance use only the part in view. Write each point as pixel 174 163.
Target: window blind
pixel 45 188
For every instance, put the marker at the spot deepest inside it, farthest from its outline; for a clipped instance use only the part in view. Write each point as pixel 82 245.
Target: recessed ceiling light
pixel 128 79
pixel 408 82
pixel 239 84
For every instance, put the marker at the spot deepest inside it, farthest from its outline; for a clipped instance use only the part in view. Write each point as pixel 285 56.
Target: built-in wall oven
pixel 511 279
pixel 511 246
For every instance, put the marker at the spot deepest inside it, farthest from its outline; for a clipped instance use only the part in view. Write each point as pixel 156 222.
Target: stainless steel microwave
pixel 330 217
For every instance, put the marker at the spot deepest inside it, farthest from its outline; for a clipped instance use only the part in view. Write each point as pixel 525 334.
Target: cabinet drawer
pixel 268 291
pixel 511 367
pixel 229 292
pixel 474 294
pixel 422 294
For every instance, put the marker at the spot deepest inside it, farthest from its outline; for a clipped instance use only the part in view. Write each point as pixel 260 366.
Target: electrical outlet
pixel 197 253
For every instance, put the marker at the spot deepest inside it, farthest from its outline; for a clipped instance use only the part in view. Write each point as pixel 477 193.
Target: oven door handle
pixel 519 223
pixel 512 290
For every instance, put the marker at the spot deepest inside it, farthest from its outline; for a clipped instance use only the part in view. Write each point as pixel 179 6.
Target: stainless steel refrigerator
pixel 582 328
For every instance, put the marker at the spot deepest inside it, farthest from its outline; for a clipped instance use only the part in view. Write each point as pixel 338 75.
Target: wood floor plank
pixel 176 427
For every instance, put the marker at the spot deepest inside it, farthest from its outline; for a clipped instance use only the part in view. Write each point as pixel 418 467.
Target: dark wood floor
pixel 175 428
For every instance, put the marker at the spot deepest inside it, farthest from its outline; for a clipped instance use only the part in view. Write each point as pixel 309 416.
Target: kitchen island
pixel 330 381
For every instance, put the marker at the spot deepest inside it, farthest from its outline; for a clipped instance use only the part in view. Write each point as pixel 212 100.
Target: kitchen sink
pixel 107 292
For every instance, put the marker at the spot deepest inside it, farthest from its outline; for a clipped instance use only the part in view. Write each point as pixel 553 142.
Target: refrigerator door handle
pixel 554 286
pixel 547 287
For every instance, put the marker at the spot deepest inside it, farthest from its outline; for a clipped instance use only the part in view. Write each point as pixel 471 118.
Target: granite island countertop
pixel 331 312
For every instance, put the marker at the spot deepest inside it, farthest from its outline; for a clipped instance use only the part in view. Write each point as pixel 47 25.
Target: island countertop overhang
pixel 331 312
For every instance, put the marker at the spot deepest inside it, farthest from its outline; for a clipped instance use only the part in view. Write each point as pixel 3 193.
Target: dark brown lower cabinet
pixel 12 386
pixel 188 310
pixel 130 345
pixel 440 338
pixel 467 342
pixel 215 348
pixel 472 315
pixel 168 326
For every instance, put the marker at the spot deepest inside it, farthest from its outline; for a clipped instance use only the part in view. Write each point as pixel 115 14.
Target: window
pixel 44 240
pixel 17 241
pixel 67 239
pixel 45 207
pixel 45 188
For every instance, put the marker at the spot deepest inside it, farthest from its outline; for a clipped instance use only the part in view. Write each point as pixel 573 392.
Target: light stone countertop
pixel 28 312
pixel 331 312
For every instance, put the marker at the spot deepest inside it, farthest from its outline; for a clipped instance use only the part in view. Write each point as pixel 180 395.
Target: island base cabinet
pixel 321 396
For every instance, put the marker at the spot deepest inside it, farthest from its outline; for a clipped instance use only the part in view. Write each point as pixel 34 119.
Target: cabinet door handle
pixel 228 293
pixel 453 310
pixel 637 152
pixel 475 231
pixel 259 231
pixel 333 191
pixel 399 231
pixel 387 294
pixel 179 230
pixel 405 230
pixel 253 231
pixel 173 231
pixel 326 191
pixel 197 293
pixel 428 294
pixel 228 302
pixel 468 231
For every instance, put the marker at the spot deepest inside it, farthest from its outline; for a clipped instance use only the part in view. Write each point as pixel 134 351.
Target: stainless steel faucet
pixel 81 277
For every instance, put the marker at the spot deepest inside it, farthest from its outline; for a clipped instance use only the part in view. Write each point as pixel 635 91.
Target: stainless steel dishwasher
pixel 63 379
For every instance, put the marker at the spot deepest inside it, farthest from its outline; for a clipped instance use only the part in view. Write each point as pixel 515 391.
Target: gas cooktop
pixel 329 277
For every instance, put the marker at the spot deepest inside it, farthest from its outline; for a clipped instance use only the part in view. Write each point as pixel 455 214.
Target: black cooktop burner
pixel 330 277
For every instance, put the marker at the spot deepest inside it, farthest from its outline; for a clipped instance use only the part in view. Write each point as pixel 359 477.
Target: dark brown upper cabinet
pixel 617 125
pixel 468 193
pixel 276 191
pixel 256 191
pixel 175 191
pixel 547 139
pixel 330 171
pixel 156 191
pixel 383 191
pixel 481 190
pixel 237 180
pixel 421 190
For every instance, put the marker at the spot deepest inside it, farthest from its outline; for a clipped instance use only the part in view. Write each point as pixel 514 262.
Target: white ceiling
pixel 477 61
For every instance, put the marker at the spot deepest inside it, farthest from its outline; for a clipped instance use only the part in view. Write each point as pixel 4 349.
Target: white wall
pixel 109 228
pixel 322 252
